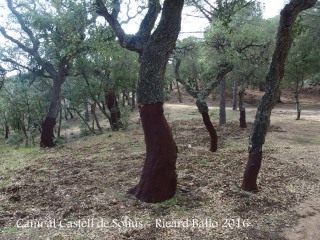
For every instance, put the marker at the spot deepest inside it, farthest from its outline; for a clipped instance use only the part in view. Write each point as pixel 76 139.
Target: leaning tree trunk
pixel 203 109
pixel 158 179
pixel 269 100
pixel 49 123
pixel 242 109
pixel 202 106
pixel 222 106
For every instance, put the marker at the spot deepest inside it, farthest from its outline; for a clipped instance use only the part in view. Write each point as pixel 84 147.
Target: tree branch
pixel 187 86
pixel 27 30
pixel 131 42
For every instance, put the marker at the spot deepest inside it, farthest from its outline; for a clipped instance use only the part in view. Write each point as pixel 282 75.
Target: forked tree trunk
pixel 47 135
pixel 273 79
pixel 115 115
pixel 158 179
pixel 202 106
pixel 222 105
pixel 203 109
pixel 242 109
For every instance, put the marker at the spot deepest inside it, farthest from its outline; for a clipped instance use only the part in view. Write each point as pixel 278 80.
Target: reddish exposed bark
pixel 251 172
pixel 243 122
pixel 273 79
pixel 158 179
pixel 211 130
pixel 47 135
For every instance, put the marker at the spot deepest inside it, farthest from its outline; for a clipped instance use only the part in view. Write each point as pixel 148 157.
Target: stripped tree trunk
pixel 158 179
pixel 273 79
pixel 242 108
pixel 204 110
pixel 224 69
pixel 47 135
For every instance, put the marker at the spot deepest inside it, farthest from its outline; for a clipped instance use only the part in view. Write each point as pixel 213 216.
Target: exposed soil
pixel 88 179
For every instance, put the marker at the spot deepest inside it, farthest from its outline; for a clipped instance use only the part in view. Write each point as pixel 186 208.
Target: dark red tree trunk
pixel 158 179
pixel 47 135
pixel 243 122
pixel 115 115
pixel 261 123
pixel 251 172
pixel 242 109
pixel 212 132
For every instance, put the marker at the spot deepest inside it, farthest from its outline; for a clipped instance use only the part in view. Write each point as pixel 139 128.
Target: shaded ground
pixel 86 180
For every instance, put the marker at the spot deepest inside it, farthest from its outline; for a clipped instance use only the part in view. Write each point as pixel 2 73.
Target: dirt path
pixel 308 227
pixel 305 131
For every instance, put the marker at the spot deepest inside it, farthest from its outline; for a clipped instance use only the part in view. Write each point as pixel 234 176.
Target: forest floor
pixel 78 190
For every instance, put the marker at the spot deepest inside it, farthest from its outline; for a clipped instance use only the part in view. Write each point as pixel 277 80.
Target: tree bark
pixel 60 122
pixel 47 135
pixel 203 109
pixel 296 96
pixel 7 130
pixel 242 109
pixel 95 117
pixel 86 109
pixel 222 105
pixel 158 179
pixel 112 104
pixel 234 95
pixel 84 120
pixel 273 79
pixel 202 106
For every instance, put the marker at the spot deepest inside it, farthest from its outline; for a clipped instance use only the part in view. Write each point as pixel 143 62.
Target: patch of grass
pixel 234 143
pixel 167 203
pixel 182 210
pixel 10 230
pixel 16 159
pixel 203 161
